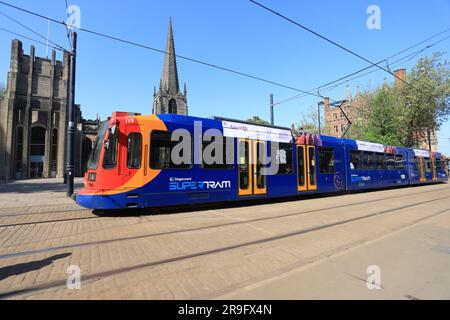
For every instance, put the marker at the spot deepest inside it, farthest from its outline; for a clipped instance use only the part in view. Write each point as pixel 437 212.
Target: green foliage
pixel 385 122
pixel 427 102
pixel 405 114
pixel 258 120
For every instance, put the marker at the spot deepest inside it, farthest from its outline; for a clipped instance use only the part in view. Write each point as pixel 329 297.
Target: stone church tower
pixel 34 118
pixel 169 99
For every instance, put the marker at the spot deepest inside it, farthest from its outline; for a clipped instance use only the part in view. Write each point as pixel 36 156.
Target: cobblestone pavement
pixel 246 251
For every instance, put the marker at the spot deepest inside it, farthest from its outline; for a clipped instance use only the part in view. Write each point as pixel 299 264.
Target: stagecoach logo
pixel 338 181
pixel 186 184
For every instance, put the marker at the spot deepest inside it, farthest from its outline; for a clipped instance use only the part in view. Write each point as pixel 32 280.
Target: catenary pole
pixel 71 127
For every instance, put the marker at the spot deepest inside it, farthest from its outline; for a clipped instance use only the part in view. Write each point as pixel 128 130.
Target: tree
pixel 258 120
pixel 426 101
pixel 309 121
pixel 407 114
pixel 385 121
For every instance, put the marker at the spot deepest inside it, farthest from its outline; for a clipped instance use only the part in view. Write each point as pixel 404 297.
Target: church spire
pixel 348 95
pixel 169 99
pixel 169 79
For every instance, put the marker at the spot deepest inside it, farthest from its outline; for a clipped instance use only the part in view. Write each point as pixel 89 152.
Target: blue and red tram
pixel 131 164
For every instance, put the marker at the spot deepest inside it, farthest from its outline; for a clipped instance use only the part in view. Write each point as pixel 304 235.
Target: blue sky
pixel 235 34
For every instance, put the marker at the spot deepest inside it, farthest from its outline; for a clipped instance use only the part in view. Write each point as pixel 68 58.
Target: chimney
pixel 400 73
pixel 327 104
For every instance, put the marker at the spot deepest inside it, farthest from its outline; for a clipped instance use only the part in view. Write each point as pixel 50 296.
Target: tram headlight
pixel 92 176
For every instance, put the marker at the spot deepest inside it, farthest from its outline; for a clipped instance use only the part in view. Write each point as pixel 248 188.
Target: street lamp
pixel 272 118
pixel 321 103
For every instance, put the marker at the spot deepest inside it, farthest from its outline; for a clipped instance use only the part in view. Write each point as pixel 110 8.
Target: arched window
pixel 54 152
pixel 37 152
pixel 173 106
pixel 19 151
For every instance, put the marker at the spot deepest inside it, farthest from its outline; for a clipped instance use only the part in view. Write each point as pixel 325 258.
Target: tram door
pixel 422 170
pixel 306 170
pixel 251 178
pixel 433 168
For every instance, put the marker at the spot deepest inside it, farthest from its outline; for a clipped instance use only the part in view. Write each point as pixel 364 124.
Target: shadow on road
pixel 18 269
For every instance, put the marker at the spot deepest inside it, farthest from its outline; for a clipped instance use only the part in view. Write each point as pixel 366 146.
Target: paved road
pixel 303 249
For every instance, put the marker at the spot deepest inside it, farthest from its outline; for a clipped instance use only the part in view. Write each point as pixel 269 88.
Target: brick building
pixel 355 107
pixel 335 120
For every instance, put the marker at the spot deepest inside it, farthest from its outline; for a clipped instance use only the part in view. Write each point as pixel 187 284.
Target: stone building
pixel 34 118
pixel 169 99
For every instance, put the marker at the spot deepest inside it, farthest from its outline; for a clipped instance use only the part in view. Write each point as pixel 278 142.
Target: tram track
pixel 202 228
pixel 48 221
pixel 121 270
pixel 41 213
pixel 132 215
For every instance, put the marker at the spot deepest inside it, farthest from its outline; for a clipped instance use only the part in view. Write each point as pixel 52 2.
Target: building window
pixel 54 152
pixel 19 151
pixel 335 116
pixel 336 129
pixel 37 152
pixel 134 151
pixel 343 127
pixel 161 147
pixel 326 160
pixel 173 106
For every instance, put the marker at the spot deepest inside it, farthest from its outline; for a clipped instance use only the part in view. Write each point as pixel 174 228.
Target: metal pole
pixel 272 118
pixel 71 128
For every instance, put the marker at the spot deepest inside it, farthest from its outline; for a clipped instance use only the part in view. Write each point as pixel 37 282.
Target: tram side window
pixel 380 163
pixel 225 160
pixel 399 162
pixel 355 160
pixel 390 161
pixel 326 160
pixel 438 163
pixel 283 158
pixel 110 155
pixel 161 148
pixel 417 163
pixel 428 165
pixel 369 160
pixel 134 151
